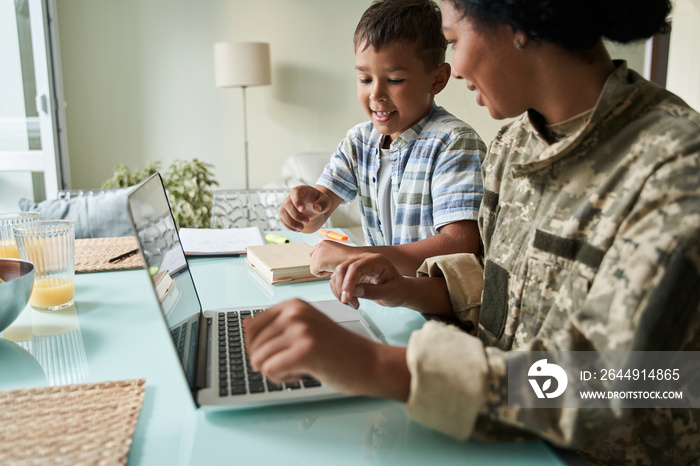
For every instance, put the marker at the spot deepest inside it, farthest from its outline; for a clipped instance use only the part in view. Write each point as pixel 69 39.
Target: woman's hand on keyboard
pixel 292 339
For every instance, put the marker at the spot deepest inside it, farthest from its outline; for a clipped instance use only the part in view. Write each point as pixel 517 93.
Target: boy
pixel 416 168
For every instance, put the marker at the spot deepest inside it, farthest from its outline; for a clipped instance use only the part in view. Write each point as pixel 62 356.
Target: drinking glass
pixel 8 245
pixel 49 245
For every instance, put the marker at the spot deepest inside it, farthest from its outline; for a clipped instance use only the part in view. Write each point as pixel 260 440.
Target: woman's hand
pixel 292 339
pixel 327 254
pixel 373 276
pixel 370 276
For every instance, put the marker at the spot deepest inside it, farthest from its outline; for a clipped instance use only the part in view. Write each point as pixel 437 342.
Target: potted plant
pixel 188 184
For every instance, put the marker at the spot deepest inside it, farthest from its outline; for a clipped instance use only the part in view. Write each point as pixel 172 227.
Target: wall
pixel 683 62
pixel 139 83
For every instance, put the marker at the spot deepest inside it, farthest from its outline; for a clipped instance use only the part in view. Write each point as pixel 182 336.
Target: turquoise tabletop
pixel 115 331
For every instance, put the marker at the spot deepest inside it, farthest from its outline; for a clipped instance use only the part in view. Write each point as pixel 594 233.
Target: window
pixel 30 136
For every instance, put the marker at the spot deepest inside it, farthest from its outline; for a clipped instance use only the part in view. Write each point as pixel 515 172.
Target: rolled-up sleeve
pixel 465 281
pixel 448 377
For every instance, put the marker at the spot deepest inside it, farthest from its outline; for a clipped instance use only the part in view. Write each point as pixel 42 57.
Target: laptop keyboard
pixel 180 337
pixel 236 375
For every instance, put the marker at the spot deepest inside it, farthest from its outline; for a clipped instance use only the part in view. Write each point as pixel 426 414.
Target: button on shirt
pixel 387 206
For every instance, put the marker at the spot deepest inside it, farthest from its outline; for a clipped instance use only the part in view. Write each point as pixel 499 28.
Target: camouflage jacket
pixel 591 243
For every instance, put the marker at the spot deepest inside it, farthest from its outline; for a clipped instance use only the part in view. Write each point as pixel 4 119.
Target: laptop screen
pixel 154 226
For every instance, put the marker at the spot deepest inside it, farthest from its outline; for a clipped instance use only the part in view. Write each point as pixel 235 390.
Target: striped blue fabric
pixel 435 175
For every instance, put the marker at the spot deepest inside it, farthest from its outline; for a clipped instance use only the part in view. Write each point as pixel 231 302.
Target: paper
pixel 173 261
pixel 219 242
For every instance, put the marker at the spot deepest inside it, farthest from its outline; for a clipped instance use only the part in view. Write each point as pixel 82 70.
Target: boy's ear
pixel 442 75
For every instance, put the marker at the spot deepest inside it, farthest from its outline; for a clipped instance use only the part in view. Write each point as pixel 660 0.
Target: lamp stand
pixel 245 137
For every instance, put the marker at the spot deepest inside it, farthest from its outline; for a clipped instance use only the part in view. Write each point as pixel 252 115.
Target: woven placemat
pixel 70 424
pixel 93 254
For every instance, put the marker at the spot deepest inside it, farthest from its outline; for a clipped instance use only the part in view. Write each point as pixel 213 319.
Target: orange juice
pixel 51 293
pixel 8 249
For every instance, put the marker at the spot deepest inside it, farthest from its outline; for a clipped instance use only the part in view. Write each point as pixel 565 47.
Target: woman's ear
pixel 442 75
pixel 520 40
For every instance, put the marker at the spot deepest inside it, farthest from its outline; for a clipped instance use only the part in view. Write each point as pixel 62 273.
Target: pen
pixel 121 257
pixel 333 235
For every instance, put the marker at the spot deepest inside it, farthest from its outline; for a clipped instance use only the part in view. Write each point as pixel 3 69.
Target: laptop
pixel 210 343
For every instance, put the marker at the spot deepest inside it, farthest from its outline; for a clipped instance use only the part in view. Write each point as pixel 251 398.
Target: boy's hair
pixel 417 22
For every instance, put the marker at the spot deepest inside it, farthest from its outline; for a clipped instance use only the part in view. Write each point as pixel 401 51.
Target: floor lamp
pixel 242 64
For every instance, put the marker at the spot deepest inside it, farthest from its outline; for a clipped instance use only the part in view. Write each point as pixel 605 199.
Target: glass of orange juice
pixel 8 245
pixel 49 245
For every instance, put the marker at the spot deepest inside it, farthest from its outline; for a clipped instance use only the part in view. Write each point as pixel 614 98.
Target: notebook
pixel 210 343
pixel 219 241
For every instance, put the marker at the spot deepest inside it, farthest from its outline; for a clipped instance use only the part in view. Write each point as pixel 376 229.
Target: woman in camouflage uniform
pixel 591 237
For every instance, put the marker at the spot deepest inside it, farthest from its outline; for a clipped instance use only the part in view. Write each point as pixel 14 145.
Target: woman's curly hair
pixel 575 25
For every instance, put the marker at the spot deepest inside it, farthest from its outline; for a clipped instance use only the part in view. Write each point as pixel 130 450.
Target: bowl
pixel 25 369
pixel 18 276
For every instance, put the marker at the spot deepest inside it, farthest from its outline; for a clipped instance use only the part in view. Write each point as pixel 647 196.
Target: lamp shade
pixel 241 64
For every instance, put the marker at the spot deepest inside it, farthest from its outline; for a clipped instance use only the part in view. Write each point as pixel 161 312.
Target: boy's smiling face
pixel 394 88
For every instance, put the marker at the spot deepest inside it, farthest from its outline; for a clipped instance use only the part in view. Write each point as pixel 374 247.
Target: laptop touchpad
pixel 355 326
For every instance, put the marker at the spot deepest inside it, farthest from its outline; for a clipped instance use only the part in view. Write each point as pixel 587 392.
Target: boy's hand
pixel 370 276
pixel 327 254
pixel 304 208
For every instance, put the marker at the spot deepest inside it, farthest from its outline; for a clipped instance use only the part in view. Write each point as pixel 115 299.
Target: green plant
pixel 188 183
pixel 123 177
pixel 189 186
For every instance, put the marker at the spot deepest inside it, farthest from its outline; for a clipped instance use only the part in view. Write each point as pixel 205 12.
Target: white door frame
pixel 52 158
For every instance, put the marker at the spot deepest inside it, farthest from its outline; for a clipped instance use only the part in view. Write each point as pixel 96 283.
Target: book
pixel 219 241
pixel 282 263
pixel 162 282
